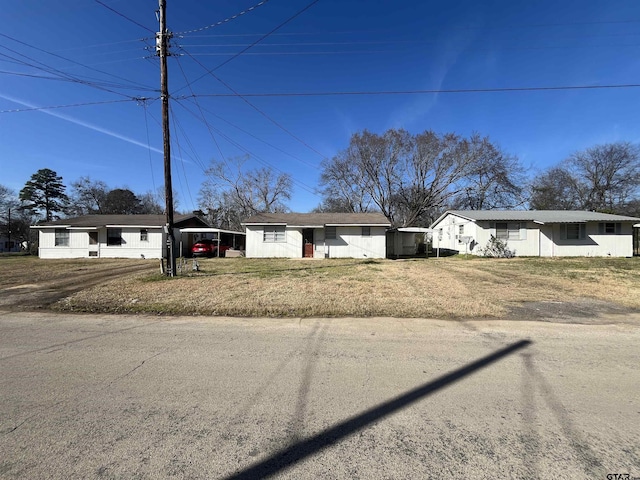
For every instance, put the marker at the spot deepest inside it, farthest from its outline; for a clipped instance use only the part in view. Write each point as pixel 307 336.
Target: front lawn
pixel 442 288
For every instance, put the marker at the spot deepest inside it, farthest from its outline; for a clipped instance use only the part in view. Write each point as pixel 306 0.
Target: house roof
pixel 538 216
pixel 318 219
pixel 120 220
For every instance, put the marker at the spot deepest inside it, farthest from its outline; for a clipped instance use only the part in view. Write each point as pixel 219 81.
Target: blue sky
pixel 334 46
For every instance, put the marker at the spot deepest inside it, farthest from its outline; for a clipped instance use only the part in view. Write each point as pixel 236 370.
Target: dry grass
pixel 447 288
pixel 19 270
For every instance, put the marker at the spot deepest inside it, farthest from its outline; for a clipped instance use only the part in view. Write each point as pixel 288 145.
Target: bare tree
pixel 495 179
pixel 87 196
pixel 407 177
pixel 232 193
pixel 603 178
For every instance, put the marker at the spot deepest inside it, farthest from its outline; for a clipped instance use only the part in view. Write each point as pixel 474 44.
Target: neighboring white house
pixel 316 235
pixel 538 233
pixel 109 236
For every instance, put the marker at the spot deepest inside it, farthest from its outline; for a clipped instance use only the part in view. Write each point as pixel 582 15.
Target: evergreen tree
pixel 45 192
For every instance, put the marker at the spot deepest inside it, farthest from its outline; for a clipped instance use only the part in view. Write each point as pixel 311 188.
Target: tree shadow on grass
pixel 305 448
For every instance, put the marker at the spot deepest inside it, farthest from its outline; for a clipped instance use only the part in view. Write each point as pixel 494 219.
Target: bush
pixel 497 248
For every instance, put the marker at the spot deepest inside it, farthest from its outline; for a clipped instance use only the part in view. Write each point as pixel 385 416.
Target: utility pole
pixel 162 47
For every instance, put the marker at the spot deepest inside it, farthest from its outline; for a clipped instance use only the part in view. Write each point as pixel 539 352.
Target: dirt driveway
pixel 30 284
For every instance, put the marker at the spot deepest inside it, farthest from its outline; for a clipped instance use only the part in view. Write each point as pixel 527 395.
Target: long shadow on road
pixel 302 449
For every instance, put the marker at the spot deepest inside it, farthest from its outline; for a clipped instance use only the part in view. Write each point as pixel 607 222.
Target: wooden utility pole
pixel 162 47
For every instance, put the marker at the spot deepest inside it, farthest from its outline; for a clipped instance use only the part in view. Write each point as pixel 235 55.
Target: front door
pixel 93 244
pixel 307 243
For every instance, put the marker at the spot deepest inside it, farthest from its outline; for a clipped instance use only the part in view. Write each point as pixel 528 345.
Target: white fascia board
pixel 82 228
pixel 159 227
pixel 538 222
pixel 305 226
pixel 42 227
pixel 266 224
pixel 357 225
pixel 415 230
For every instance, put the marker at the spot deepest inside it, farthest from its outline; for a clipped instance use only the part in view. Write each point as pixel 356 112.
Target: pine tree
pixel 44 192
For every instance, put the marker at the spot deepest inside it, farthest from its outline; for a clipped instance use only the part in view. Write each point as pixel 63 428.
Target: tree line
pixel 414 178
pixel 410 178
pixel 44 198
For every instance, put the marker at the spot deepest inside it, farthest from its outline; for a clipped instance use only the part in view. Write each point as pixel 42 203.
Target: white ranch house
pixel 110 236
pixel 538 233
pixel 316 235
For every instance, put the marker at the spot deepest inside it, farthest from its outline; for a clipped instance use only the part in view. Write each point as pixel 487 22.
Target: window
pixel 144 235
pixel 330 233
pixel 62 237
pixel 366 231
pixel 114 236
pixel 273 234
pixel 508 231
pixel 610 228
pixel 461 229
pixel 93 238
pixel 572 231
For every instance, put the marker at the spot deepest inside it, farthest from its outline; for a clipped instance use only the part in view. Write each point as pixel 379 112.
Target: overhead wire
pixel 226 20
pixel 424 92
pixel 266 163
pixel 146 124
pixel 260 111
pixel 300 12
pixel 146 87
pixel 31 109
pixel 124 16
pixel 215 141
pixel 176 139
pixel 246 132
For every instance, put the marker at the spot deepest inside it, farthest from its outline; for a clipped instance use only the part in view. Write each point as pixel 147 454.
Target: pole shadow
pixel 305 448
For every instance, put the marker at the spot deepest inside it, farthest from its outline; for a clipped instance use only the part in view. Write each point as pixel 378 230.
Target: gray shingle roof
pixel 314 219
pixel 542 216
pixel 126 220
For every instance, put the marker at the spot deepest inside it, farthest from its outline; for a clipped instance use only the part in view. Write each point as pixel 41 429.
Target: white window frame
pixel 330 233
pixel 144 235
pixel 61 237
pixel 274 234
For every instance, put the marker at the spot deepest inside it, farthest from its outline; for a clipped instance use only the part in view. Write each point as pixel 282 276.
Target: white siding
pixel 78 247
pixel 538 240
pixel 349 243
pixel 257 248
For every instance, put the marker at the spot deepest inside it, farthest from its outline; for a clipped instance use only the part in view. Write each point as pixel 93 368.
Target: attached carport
pixel 190 235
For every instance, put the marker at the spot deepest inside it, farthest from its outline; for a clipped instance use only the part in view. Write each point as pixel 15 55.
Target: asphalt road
pixel 157 397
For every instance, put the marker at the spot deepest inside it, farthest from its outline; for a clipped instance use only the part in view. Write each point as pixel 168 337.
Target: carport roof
pixel 537 216
pixel 318 219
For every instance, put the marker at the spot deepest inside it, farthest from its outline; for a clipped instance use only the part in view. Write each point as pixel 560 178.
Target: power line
pixel 261 112
pixel 226 20
pixel 295 157
pixel 74 62
pixel 31 109
pixel 301 184
pixel 300 12
pixel 422 92
pixel 124 16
